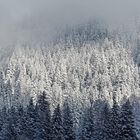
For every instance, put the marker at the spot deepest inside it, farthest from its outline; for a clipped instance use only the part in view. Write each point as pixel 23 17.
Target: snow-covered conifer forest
pixel 80 86
pixel 69 81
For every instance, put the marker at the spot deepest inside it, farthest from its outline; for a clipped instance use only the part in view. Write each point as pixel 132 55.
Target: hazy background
pixel 39 19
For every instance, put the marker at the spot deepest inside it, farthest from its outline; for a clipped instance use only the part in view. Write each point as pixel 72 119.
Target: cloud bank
pixel 39 17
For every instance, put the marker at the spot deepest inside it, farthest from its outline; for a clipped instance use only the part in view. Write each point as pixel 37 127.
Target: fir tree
pixel 98 108
pixel 31 117
pixel 115 121
pixel 3 117
pixel 68 128
pixel 88 124
pixel 127 122
pixel 44 117
pixel 2 87
pixel 8 131
pixel 21 122
pixel 105 114
pixel 57 128
pixel 8 92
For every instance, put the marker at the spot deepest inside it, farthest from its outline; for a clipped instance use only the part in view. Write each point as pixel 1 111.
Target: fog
pixel 36 19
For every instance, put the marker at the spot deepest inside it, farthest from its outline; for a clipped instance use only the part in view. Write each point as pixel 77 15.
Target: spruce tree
pixel 21 122
pixel 105 115
pixel 8 94
pixel 87 132
pixel 44 117
pixel 39 129
pixel 8 131
pixel 98 108
pixel 68 128
pixel 127 122
pixel 31 117
pixel 57 127
pixel 3 117
pixel 115 121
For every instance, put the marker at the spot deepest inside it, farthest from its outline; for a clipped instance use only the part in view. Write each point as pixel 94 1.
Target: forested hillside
pixel 69 70
pixel 82 85
pixel 88 77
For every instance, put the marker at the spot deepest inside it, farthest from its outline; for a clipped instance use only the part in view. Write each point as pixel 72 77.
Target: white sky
pixel 60 12
pixel 16 9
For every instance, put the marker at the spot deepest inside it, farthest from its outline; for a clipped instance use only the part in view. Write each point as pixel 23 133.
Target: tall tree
pixel 31 117
pixel 21 122
pixel 2 87
pixel 87 132
pixel 68 128
pixel 115 121
pixel 44 114
pixel 57 128
pixel 98 108
pixel 127 122
pixel 105 121
pixel 17 96
pixel 8 131
pixel 8 93
pixel 3 117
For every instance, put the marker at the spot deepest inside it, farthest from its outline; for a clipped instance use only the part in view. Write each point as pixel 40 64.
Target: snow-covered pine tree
pixel 127 122
pixel 21 122
pixel 105 121
pixel 2 88
pixel 17 96
pixel 4 120
pixel 115 121
pixel 8 94
pixel 98 109
pixel 57 127
pixel 39 133
pixel 8 131
pixel 44 115
pixel 3 116
pixel 87 131
pixel 31 117
pixel 68 128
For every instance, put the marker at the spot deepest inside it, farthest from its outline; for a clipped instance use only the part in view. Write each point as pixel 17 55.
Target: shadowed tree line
pixel 102 122
pixel 99 121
